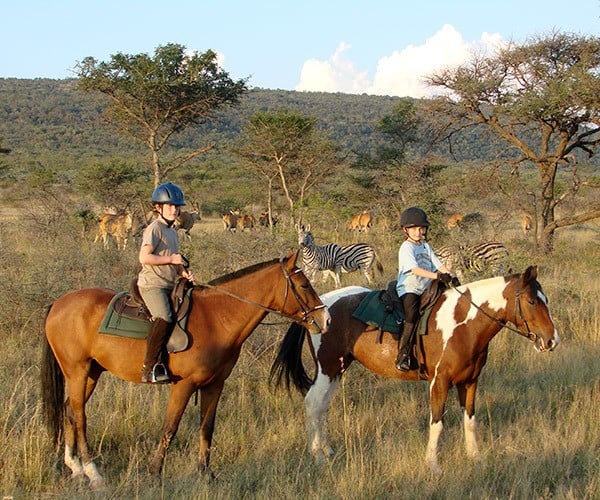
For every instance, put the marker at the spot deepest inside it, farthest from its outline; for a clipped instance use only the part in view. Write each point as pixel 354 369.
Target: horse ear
pixel 293 256
pixel 530 273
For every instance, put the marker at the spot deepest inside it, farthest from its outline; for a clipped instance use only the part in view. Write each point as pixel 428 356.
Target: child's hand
pixel 445 278
pixel 188 275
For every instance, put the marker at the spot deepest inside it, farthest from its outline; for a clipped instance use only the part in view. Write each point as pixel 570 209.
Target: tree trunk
pixel 546 233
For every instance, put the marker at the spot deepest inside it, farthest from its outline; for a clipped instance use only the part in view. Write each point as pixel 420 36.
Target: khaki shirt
pixel 164 241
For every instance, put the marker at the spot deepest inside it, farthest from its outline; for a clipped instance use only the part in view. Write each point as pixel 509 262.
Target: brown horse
pixel 462 323
pixel 223 314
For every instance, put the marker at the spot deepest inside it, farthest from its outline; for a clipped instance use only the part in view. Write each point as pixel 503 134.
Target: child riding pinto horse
pixel 453 352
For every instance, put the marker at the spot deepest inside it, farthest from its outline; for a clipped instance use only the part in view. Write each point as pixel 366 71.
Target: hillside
pixel 56 134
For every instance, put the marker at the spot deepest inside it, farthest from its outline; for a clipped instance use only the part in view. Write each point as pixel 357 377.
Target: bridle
pixel 306 309
pixel 529 335
pixel 532 336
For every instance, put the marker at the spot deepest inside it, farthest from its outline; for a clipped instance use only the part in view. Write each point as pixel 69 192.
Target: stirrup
pixel 405 364
pixel 157 375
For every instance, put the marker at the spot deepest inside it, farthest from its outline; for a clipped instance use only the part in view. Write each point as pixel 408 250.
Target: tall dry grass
pixel 538 414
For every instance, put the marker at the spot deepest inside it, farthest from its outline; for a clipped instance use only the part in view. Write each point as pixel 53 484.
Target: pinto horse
pixel 223 314
pixel 453 352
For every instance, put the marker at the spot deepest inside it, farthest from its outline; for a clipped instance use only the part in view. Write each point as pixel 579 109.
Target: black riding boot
pixel 153 371
pixel 405 362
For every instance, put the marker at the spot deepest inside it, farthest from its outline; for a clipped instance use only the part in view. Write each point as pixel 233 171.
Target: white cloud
pixel 338 74
pixel 399 74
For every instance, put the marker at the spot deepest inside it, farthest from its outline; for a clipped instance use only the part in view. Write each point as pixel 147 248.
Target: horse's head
pixel 307 306
pixel 532 315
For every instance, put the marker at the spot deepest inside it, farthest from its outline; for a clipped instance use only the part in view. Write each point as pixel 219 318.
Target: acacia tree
pixel 286 146
pixel 541 98
pixel 152 98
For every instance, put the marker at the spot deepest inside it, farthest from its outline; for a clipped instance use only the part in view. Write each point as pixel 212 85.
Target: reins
pixel 306 310
pixel 528 335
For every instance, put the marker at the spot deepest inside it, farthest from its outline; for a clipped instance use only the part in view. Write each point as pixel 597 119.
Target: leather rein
pixel 306 310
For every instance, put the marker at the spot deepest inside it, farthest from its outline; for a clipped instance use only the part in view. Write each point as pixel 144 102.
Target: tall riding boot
pixel 405 362
pixel 153 371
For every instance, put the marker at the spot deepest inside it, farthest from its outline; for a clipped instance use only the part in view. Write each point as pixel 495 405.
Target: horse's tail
pixel 288 363
pixel 53 391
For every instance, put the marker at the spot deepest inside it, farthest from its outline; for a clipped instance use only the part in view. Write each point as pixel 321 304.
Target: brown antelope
pixel 230 220
pixel 454 220
pixel 263 219
pixel 116 226
pixel 526 225
pixel 247 221
pixel 361 222
pixel 185 221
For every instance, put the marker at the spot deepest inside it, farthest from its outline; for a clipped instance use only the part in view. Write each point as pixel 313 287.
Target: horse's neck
pixel 490 304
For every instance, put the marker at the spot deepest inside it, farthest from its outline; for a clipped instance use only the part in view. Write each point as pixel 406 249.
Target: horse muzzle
pixel 318 321
pixel 544 345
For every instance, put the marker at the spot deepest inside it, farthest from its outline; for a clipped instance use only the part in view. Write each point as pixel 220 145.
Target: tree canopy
pixel 286 146
pixel 152 98
pixel 543 99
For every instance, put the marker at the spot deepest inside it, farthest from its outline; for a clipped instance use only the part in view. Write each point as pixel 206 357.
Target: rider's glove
pixel 445 278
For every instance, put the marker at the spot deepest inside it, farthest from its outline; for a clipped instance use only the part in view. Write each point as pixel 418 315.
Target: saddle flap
pixel 374 312
pixel 126 316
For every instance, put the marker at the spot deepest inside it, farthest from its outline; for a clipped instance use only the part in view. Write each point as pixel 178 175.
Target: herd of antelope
pixel 235 219
pixel 119 226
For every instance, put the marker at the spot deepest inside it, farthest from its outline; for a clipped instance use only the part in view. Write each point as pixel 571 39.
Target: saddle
pixel 128 316
pixel 383 308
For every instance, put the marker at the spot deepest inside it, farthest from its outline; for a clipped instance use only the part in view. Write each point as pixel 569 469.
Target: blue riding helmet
pixel 168 193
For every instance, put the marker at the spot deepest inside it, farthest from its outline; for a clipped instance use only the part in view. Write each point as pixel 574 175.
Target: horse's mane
pixel 488 281
pixel 508 278
pixel 242 272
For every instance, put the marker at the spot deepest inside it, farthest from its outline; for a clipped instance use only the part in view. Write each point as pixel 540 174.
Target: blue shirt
pixel 411 255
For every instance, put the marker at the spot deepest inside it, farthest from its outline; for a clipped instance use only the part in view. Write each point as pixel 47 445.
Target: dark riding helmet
pixel 414 216
pixel 168 193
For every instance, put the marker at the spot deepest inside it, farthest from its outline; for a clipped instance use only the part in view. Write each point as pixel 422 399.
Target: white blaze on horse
pixel 460 326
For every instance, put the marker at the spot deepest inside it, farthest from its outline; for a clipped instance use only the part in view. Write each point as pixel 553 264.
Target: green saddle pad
pixel 372 312
pixel 124 326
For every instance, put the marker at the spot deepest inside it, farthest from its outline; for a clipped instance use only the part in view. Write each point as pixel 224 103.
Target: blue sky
pixel 377 47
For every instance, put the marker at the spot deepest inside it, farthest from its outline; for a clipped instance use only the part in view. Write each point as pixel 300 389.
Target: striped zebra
pixel 333 259
pixel 475 261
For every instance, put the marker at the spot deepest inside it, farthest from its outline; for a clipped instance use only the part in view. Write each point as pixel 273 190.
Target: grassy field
pixel 538 414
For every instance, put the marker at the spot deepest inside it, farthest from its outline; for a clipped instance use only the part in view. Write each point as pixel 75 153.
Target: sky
pixel 377 47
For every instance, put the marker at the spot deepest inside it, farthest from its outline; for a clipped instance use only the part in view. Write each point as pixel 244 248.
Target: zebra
pixel 333 259
pixel 483 259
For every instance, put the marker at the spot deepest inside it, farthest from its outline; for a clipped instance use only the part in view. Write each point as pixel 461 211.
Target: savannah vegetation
pixel 538 414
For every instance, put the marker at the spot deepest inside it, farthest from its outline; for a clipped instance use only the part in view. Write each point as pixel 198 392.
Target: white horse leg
pixel 73 462
pixel 470 435
pixel 316 405
pixel 96 480
pixel 431 457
